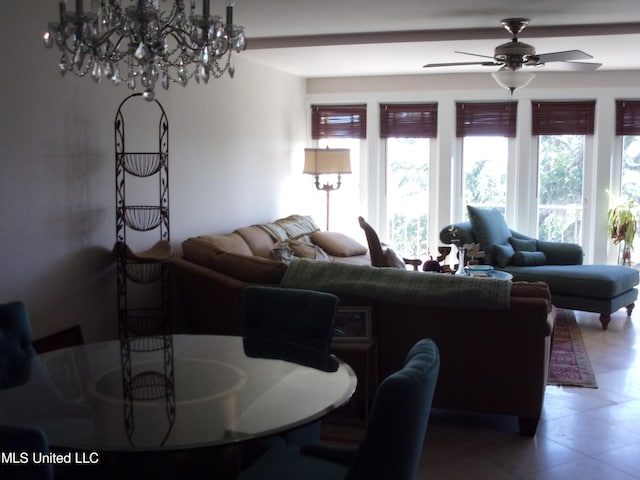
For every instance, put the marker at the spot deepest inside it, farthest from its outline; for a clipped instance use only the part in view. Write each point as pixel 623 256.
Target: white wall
pixel 235 149
pixel 604 87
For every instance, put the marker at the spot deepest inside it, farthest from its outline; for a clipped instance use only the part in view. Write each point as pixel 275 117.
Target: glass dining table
pixel 169 393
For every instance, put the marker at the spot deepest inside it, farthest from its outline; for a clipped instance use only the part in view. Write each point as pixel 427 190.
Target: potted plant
pixel 622 225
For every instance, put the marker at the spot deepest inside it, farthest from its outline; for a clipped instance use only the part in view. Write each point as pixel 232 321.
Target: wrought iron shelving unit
pixel 143 283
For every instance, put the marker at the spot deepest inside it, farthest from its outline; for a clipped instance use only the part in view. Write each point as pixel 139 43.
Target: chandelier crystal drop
pixel 145 42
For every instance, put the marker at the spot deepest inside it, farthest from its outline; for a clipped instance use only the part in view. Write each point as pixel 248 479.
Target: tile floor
pixel 584 433
pixel 590 434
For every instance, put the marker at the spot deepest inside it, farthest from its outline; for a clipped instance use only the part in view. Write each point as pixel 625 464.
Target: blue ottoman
pixel 603 289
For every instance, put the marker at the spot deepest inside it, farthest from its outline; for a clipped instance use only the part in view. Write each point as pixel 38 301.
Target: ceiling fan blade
pixel 578 66
pixel 474 54
pixel 456 64
pixel 562 56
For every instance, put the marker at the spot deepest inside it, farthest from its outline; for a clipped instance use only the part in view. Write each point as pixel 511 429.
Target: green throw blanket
pixel 400 286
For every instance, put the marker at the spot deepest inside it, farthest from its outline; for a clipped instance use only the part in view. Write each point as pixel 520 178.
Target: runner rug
pixel 569 364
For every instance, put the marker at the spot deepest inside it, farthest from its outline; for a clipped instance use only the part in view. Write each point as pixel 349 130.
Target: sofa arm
pixel 209 301
pixel 560 253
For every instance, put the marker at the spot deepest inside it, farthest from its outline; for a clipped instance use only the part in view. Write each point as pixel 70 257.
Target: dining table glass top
pixel 169 393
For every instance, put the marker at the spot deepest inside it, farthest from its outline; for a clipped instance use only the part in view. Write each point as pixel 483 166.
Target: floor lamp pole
pixel 328 188
pixel 328 209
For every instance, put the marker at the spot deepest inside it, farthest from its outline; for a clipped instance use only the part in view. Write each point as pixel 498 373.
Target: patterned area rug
pixel 569 365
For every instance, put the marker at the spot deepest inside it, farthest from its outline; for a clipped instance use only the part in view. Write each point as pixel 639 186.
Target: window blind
pixel 408 120
pixel 627 117
pixel 563 118
pixel 338 121
pixel 486 119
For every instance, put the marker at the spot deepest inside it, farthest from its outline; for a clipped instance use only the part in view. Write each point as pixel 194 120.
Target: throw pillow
pixel 489 228
pixel 283 252
pixel 502 254
pixel 338 244
pixel 308 250
pixel 528 258
pixel 524 244
pixel 286 250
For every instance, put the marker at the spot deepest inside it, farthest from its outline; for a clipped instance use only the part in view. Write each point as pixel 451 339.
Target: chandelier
pixel 144 43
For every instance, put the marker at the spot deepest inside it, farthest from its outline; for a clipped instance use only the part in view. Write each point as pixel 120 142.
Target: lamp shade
pixel 320 161
pixel 512 79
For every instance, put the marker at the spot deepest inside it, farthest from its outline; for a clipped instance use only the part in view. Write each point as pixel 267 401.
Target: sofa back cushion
pixel 230 242
pixel 203 249
pixel 246 267
pixel 258 240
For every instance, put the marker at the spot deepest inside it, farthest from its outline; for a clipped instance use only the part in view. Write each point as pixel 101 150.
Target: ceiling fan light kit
pixel 514 55
pixel 512 79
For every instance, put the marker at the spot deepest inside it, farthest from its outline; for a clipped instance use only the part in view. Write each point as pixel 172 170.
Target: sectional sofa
pixel 494 336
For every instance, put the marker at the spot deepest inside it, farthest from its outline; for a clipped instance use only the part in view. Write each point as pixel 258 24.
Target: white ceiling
pixel 330 38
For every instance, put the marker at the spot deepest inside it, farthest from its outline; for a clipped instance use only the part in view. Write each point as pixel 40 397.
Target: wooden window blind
pixel 496 119
pixel 338 121
pixel 627 117
pixel 408 120
pixel 563 118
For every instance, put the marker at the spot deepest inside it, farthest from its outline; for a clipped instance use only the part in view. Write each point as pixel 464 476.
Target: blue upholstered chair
pixel 16 351
pixel 19 439
pixel 393 441
pixel 15 344
pixel 290 324
pixel 294 325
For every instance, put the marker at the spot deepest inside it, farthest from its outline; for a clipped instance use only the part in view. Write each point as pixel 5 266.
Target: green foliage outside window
pixel 560 180
pixel 408 195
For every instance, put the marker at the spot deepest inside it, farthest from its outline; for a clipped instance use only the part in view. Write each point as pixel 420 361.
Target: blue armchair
pixel 393 441
pixel 22 439
pixel 16 347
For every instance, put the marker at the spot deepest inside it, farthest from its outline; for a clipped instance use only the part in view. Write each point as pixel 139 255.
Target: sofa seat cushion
pixel 596 281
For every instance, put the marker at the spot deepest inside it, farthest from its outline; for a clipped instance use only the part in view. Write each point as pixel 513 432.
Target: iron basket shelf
pixel 143 164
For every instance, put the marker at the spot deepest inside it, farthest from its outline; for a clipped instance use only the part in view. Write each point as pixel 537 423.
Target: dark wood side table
pixel 362 357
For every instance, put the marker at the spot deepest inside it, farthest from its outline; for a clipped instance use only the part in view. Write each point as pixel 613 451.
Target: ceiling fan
pixel 513 55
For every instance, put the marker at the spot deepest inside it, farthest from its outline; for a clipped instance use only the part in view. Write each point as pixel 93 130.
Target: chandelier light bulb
pixel 150 39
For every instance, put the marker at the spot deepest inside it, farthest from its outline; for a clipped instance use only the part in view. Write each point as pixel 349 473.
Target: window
pixel 408 195
pixel 561 128
pixel 484 161
pixel 485 130
pixel 628 130
pixel 407 130
pixel 340 126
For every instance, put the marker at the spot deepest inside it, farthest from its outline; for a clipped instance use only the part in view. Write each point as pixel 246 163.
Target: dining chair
pixel 291 324
pixel 15 344
pixel 393 440
pixel 23 440
pixel 382 255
